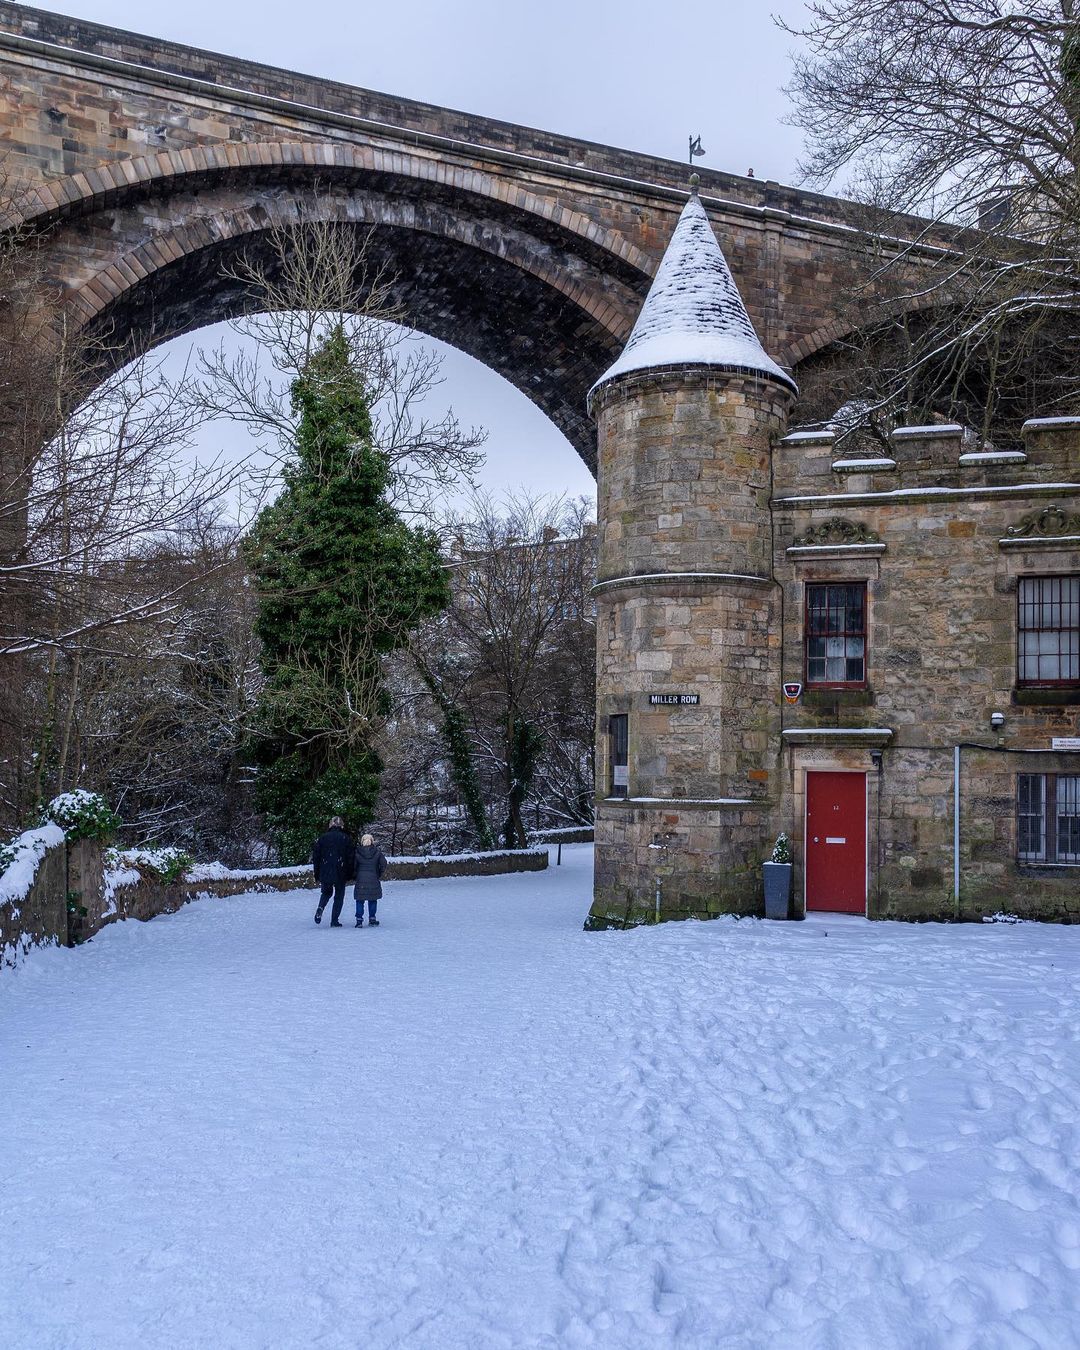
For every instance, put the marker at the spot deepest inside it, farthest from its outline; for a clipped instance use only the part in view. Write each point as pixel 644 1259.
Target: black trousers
pixel 337 890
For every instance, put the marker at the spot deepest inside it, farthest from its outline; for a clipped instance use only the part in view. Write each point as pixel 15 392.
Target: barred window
pixel 1048 630
pixel 836 634
pixel 1048 817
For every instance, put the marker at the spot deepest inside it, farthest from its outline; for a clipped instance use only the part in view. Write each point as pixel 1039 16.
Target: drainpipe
pixel 956 826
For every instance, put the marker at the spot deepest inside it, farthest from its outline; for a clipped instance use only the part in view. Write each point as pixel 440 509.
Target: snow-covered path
pixel 481 1127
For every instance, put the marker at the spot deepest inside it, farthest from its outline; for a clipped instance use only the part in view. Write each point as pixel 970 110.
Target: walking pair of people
pixel 336 861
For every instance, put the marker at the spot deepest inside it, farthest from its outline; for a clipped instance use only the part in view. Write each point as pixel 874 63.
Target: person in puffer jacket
pixel 370 866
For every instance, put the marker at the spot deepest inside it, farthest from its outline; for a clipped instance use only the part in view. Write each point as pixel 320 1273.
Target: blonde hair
pixel 367 839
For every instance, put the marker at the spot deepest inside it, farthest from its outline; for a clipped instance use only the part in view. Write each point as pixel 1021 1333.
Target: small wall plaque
pixel 1065 743
pixel 674 700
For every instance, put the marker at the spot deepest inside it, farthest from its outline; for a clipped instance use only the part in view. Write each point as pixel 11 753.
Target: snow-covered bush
pixel 10 851
pixel 781 849
pixel 82 815
pixel 163 864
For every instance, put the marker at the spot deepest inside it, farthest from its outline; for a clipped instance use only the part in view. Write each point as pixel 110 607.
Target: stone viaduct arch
pixel 144 166
pixel 542 299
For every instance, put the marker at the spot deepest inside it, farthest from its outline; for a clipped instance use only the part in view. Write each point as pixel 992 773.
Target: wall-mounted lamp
pixel 997 720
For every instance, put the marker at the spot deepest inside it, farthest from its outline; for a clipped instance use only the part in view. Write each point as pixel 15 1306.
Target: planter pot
pixel 777 889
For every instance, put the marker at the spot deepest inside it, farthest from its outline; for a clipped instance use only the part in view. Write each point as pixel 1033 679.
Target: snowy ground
pixel 480 1127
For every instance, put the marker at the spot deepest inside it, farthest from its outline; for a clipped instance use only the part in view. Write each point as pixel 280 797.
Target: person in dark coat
pixel 370 866
pixel 333 859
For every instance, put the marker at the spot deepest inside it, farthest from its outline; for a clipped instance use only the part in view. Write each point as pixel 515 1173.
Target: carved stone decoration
pixel 836 531
pixel 1049 523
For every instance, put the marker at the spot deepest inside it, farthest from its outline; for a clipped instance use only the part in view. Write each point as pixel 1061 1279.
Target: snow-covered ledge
pixel 984 458
pixel 1049 424
pixel 682 579
pixel 932 432
pixel 872 736
pixel 687 803
pixel 1045 543
pixel 835 550
pixel 878 464
pixel 809 438
pixel 976 492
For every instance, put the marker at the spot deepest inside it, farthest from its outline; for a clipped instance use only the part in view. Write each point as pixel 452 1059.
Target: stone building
pixel 877 655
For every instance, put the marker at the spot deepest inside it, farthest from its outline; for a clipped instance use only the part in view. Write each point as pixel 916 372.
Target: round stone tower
pixel 688 617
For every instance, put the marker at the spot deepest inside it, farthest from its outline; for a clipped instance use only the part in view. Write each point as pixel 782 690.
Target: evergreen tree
pixel 342 581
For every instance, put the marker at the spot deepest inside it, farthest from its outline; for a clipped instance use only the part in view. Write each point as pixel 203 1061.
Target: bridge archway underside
pixel 545 315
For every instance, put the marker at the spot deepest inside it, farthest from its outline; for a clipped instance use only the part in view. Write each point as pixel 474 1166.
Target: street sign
pixel 676 700
pixel 1065 743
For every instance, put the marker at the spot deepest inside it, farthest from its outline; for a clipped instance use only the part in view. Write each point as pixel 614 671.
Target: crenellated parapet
pixel 1053 441
pixel 943 455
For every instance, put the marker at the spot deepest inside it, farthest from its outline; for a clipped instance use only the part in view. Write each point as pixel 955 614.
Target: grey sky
pixel 629 73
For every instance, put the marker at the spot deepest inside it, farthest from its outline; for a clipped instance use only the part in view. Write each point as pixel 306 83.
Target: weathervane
pixel 696 150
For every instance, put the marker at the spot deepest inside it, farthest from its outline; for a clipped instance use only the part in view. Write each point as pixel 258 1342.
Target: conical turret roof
pixel 694 314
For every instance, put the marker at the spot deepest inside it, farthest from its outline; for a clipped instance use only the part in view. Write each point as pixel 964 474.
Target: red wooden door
pixel 836 842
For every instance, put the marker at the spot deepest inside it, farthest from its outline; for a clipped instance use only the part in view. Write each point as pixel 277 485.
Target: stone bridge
pixel 147 165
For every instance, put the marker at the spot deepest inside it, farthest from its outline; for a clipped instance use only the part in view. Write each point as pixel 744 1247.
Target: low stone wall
pixel 499 863
pixel 86 890
pixel 569 834
pixel 148 898
pixel 468 865
pixel 40 917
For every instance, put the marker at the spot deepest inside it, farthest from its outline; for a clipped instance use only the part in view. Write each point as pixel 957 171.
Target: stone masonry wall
pixel 86 889
pixel 104 41
pixel 705 858
pixel 940 532
pixel 685 605
pixel 684 472
pixel 40 918
pixel 940 529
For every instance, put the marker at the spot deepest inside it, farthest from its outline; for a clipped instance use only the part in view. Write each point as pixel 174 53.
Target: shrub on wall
pixel 82 815
pixel 162 864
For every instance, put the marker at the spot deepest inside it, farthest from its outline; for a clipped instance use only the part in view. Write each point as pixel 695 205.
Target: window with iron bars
pixel 1048 818
pixel 1048 631
pixel 835 632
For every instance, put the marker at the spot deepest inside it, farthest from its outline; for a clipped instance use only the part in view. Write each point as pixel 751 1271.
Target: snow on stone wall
pixel 33 893
pixel 29 849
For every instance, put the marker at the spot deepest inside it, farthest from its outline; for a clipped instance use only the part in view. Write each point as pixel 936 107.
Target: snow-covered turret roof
pixel 694 314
